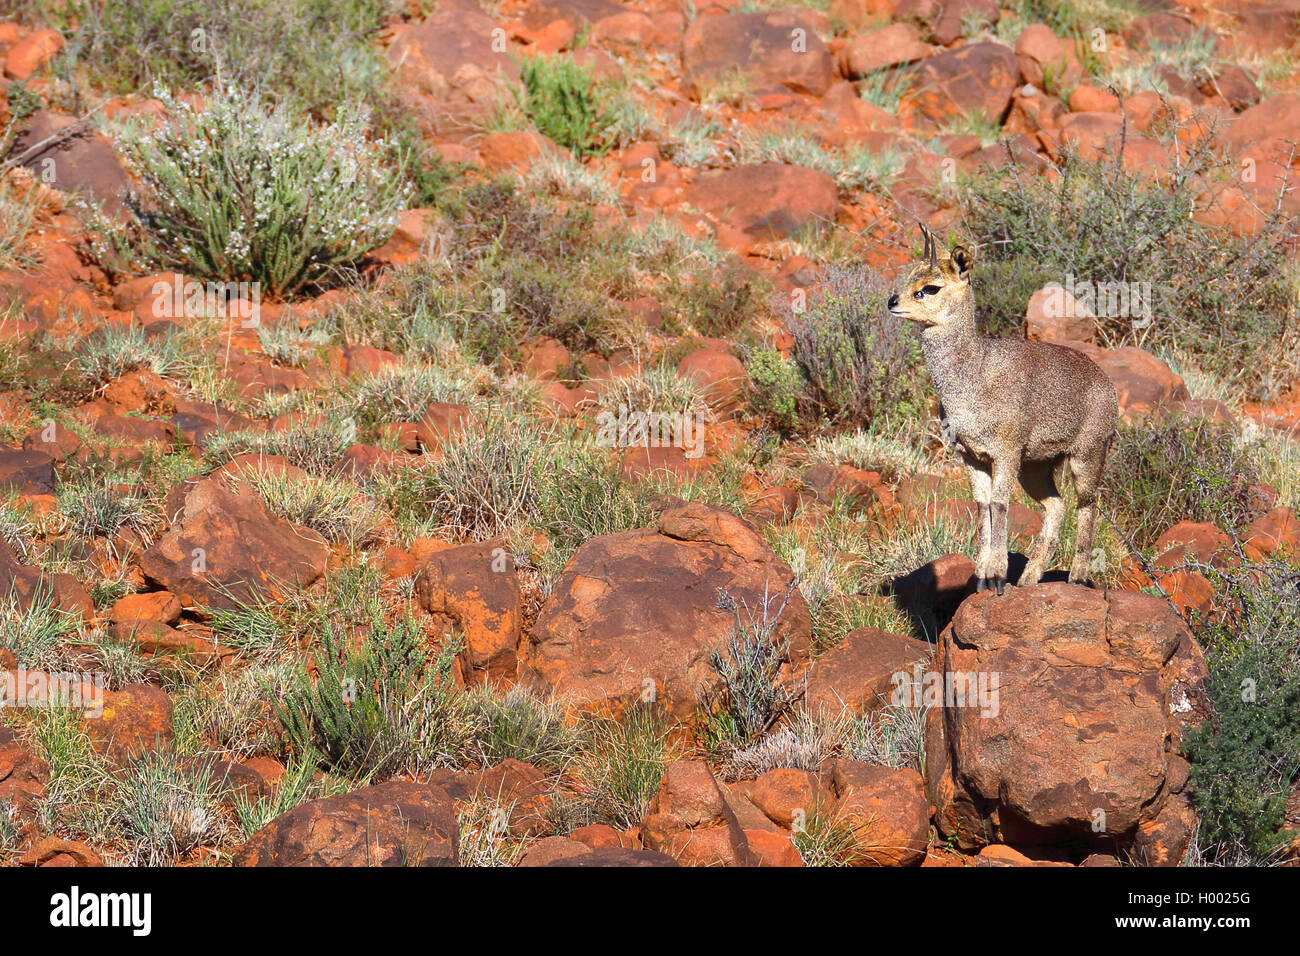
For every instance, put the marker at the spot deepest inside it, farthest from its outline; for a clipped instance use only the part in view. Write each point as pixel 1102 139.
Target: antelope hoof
pixel 981 584
pixel 1001 583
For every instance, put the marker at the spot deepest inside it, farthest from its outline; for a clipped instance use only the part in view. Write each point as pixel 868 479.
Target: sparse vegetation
pixel 543 282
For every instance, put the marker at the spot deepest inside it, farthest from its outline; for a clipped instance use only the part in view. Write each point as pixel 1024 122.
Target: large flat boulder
pixel 777 48
pixel 399 823
pixel 766 200
pixel 978 79
pixel 638 613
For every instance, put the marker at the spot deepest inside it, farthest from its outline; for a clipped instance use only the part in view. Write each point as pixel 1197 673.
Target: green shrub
pixel 1225 299
pixel 1247 755
pixel 1077 17
pixel 101 508
pixel 859 361
pixel 714 302
pixel 561 99
pixel 379 704
pixel 775 387
pixel 584 497
pixel 1178 469
pixel 241 192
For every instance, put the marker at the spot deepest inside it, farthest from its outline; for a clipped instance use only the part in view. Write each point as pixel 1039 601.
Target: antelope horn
pixel 931 247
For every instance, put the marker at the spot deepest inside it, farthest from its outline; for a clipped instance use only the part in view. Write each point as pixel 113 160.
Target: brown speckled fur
pixel 1015 410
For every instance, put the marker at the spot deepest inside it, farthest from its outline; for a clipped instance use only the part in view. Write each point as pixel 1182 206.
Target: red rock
pixel 50 848
pixel 135 720
pixel 520 788
pixel 225 546
pixel 1277 532
pixel 442 421
pixel 1054 315
pixel 415 229
pixel 1267 131
pixel 773 505
pixel 893 45
pixel 453 55
pixel 513 150
pixel 786 796
pixel 154 639
pixel 362 359
pixel 1001 855
pixel 473 591
pixel 553 851
pixel 765 201
pixel 1040 52
pixel 23 775
pixel 598 835
pixel 689 792
pixel 954 22
pixel 26 472
pixel 54 440
pixel 760 45
pixel 26 584
pixel 545 359
pixel 825 482
pixel 1234 85
pixel 1084 736
pixel 86 164
pixel 978 78
pixel 160 606
pixel 1191 540
pixel 888 810
pixel 690 821
pixel 1158 30
pixel 1164 840
pixel 637 613
pixel 1187 590
pixel 32 52
pixel 398 823
pixel 862 671
pixel 621 32
pixel 1141 380
pixel 269 769
pixel 772 849
pixel 1089 99
pixel 721 377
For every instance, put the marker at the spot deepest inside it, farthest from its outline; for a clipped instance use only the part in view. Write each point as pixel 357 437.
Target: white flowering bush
pixel 240 191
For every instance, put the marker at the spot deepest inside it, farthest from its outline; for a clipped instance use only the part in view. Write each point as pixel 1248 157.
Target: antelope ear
pixel 962 260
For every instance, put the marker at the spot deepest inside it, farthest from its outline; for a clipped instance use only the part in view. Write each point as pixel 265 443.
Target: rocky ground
pixel 382 559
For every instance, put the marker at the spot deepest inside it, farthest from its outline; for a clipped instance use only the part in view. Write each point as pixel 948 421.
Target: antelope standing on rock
pixel 1014 409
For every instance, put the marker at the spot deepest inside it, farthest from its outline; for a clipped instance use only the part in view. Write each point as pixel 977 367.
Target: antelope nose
pixel 893 301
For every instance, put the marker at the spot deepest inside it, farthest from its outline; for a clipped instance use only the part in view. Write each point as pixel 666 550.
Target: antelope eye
pixel 922 292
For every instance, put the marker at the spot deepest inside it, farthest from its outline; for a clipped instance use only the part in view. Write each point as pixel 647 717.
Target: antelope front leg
pixel 981 489
pixel 1005 471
